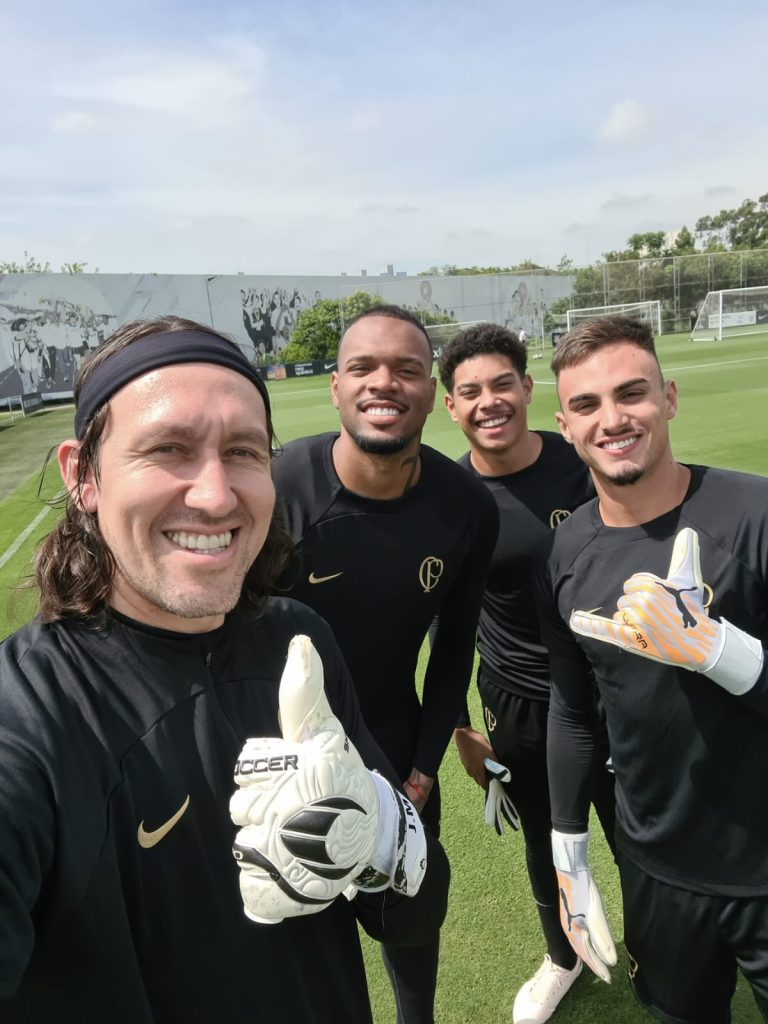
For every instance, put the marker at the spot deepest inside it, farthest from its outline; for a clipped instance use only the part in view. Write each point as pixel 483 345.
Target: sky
pixel 314 137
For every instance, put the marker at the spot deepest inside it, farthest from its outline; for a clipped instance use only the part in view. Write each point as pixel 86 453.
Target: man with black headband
pixel 390 532
pixel 147 735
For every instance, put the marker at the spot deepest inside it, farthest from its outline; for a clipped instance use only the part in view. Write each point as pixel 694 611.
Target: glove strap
pixel 392 862
pixel 569 852
pixel 740 663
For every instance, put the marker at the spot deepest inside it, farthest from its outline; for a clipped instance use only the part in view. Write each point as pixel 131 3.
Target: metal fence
pixel 680 283
pixel 537 302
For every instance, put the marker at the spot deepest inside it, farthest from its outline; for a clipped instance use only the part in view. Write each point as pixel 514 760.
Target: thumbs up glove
pixel 315 822
pixel 498 807
pixel 665 619
pixel 581 905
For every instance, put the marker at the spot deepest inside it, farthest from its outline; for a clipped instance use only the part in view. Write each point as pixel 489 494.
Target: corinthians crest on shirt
pixel 557 516
pixel 430 571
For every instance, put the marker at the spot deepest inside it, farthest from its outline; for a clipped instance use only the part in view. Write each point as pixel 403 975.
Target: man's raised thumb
pixel 304 708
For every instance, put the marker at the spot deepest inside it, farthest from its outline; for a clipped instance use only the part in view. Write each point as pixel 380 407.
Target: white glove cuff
pixel 399 853
pixel 739 663
pixel 569 852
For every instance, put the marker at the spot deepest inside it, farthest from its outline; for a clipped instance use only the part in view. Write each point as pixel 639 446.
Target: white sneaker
pixel 540 996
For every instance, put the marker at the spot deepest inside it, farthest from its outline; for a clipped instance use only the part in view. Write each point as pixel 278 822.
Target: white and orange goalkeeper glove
pixel 665 619
pixel 315 823
pixel 581 906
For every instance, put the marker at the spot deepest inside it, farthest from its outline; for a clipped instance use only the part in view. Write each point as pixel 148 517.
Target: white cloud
pixel 168 83
pixel 626 121
pixel 73 121
pixel 312 140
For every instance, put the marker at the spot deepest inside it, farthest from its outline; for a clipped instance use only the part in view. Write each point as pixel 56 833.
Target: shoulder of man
pixel 465 461
pixel 559 458
pixel 710 480
pixel 555 446
pixel 451 475
pixel 437 464
pixel 724 502
pixel 305 480
pixel 294 456
pixel 573 534
pixel 33 662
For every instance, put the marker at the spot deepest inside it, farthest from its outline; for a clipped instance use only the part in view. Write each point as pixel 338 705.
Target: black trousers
pixel 412 970
pixel 517 729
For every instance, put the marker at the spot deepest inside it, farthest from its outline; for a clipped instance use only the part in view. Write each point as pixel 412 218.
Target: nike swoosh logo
pixel 149 839
pixel 323 579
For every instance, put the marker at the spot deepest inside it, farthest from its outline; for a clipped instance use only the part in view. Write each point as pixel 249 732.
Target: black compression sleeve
pixel 571 737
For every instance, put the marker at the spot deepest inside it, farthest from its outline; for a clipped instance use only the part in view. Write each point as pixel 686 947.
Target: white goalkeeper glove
pixel 581 906
pixel 666 620
pixel 315 822
pixel 498 807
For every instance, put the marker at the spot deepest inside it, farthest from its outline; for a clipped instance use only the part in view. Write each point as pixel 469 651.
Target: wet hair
pixel 74 568
pixel 481 340
pixel 590 336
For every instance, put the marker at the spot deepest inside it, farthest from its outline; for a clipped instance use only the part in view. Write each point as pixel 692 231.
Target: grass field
pixel 491 941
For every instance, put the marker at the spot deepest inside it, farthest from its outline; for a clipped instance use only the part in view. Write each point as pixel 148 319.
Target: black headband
pixel 166 348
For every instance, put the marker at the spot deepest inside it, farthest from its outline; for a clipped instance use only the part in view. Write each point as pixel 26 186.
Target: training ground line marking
pixel 695 366
pixel 23 536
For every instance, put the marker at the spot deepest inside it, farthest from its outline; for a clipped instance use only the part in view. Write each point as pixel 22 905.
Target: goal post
pixel 649 312
pixel 732 312
pixel 441 335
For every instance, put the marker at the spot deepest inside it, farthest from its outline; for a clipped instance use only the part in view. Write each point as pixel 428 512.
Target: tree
pixel 685 243
pixel 648 243
pixel 318 330
pixel 526 266
pixel 33 266
pixel 29 266
pixel 746 227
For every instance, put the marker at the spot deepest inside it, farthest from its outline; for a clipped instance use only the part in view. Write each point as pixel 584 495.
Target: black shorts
pixel 517 730
pixel 685 947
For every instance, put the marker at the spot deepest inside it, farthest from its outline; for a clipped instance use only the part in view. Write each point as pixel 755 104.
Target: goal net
pixel 441 335
pixel 648 312
pixel 732 312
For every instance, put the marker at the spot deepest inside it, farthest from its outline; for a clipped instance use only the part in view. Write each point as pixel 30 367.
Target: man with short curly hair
pixel 537 481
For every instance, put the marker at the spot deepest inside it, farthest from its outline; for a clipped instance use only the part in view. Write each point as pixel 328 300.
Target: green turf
pixel 491 941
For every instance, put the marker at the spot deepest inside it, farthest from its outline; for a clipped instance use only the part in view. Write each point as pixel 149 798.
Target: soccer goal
pixel 732 312
pixel 649 312
pixel 441 335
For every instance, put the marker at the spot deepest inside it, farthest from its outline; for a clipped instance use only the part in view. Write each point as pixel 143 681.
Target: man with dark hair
pixel 150 681
pixel 660 587
pixel 389 532
pixel 536 480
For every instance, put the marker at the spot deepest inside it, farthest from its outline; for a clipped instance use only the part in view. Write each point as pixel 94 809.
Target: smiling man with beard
pixel 659 587
pixel 151 687
pixel 388 533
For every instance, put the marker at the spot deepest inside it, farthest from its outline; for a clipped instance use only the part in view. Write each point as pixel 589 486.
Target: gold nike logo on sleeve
pixel 149 839
pixel 323 579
